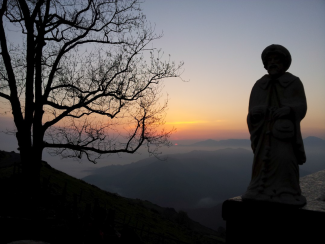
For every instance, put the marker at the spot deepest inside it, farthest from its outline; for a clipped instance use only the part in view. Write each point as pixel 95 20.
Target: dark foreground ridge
pixel 69 210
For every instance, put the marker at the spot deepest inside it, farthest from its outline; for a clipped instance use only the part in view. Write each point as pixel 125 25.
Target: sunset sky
pixel 220 43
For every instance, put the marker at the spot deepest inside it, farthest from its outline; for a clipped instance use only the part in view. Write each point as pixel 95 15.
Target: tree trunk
pixel 31 158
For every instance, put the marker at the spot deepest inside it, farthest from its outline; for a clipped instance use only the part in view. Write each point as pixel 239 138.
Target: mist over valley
pixel 197 181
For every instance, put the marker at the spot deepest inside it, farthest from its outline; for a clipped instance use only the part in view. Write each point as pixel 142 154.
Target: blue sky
pixel 221 43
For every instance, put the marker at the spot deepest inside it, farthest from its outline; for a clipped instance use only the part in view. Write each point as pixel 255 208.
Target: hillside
pixel 70 210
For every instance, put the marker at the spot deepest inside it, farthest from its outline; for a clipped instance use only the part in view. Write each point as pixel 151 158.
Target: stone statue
pixel 277 105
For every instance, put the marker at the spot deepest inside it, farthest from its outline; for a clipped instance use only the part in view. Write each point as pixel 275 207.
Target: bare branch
pixel 80 64
pixel 5 96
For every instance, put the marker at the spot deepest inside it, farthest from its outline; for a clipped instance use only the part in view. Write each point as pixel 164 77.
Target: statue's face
pixel 275 66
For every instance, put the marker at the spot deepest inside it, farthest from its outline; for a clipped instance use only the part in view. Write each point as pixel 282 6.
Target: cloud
pixel 206 202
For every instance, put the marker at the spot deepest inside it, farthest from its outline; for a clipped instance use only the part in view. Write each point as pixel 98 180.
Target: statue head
pixel 276 59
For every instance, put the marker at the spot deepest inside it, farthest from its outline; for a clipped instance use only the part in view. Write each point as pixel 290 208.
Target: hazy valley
pixel 197 181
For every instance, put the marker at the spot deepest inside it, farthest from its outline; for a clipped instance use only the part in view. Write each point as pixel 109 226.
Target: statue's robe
pixel 275 174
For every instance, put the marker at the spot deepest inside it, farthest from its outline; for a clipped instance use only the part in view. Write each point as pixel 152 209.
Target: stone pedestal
pixel 261 222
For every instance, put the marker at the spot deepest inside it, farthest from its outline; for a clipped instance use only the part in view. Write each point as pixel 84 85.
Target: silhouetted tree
pixel 79 62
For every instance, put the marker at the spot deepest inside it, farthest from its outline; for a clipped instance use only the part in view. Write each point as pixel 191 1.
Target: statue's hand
pixel 281 112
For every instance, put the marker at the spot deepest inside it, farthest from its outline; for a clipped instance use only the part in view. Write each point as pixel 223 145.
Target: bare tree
pixel 83 70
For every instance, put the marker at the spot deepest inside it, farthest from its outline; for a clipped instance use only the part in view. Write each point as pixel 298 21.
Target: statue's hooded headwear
pixel 277 49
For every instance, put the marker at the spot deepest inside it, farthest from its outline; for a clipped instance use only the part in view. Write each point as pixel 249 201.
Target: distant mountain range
pixel 198 181
pixel 313 141
pixel 310 141
pixel 188 180
pixel 223 143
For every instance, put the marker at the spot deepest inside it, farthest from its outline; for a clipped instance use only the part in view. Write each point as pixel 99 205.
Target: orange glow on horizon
pixel 186 122
pixel 193 122
pixel 223 129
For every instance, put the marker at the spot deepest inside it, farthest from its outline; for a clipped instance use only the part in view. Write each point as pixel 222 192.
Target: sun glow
pixel 187 122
